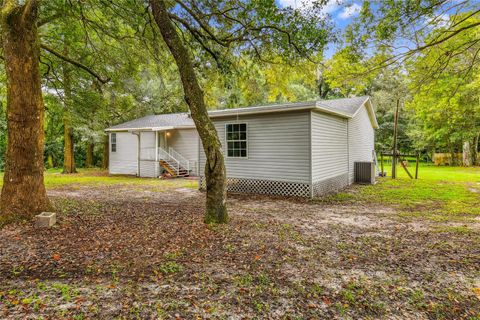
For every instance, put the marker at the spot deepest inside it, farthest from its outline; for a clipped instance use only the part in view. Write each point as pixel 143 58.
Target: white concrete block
pixel 45 219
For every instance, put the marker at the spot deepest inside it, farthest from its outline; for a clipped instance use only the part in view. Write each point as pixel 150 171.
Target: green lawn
pixel 95 177
pixel 439 193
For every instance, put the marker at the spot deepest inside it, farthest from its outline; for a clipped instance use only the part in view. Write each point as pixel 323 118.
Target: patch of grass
pixel 316 290
pixel 463 230
pixel 65 290
pixel 257 284
pixel 229 247
pixel 96 177
pixel 244 280
pixel 17 270
pixel 288 232
pixel 261 307
pixel 439 192
pixel 170 267
pixel 417 298
pixel 172 255
pixel 361 295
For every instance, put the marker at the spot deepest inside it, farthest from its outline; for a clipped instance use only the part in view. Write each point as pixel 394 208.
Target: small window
pixel 113 142
pixel 236 140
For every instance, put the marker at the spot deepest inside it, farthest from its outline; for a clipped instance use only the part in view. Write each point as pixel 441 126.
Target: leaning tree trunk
pixel 215 174
pixel 89 155
pixel 23 193
pixel 68 144
pixel 105 152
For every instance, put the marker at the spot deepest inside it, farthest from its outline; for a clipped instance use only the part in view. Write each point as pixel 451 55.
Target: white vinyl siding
pixel 148 168
pixel 361 139
pixel 185 142
pixel 329 146
pixel 124 160
pixel 278 147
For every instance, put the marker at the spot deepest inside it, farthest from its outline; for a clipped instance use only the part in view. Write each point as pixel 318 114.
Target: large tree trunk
pixel 68 149
pixel 215 173
pixel 105 152
pixel 466 154
pixel 68 143
pixel 475 154
pixel 89 156
pixel 23 193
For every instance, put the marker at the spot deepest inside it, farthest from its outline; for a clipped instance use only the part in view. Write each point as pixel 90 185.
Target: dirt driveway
pixel 137 252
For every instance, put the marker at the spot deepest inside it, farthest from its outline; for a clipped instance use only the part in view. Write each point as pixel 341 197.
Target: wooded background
pixel 438 85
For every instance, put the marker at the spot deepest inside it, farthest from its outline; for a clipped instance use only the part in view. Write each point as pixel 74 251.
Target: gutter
pixel 148 129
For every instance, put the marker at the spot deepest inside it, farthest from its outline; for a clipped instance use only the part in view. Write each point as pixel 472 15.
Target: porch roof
pixel 156 123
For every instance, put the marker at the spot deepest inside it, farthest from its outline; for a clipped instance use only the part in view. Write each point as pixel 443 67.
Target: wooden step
pixel 182 172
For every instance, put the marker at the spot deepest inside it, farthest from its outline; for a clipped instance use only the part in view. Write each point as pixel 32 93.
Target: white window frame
pixel 112 143
pixel 246 140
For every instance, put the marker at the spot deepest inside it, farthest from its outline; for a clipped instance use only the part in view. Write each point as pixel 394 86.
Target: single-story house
pixel 298 149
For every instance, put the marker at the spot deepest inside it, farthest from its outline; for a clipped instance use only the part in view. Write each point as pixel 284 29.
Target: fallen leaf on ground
pixel 477 292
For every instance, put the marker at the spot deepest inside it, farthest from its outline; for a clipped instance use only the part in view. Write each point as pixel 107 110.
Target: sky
pixel 336 8
pixel 342 13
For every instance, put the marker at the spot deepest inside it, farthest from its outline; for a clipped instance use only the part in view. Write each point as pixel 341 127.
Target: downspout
pixel 311 155
pixel 156 154
pixel 348 152
pixel 199 157
pixel 138 151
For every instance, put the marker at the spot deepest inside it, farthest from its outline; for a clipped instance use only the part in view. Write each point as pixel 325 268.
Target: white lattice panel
pixel 282 188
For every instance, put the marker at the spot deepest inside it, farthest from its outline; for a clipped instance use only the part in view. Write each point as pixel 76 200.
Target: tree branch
pixel 197 35
pixel 30 9
pixel 452 34
pixel 75 63
pixel 49 19
pixel 204 26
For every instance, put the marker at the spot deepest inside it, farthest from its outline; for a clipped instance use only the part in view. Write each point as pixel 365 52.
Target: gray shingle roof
pixel 346 107
pixel 156 121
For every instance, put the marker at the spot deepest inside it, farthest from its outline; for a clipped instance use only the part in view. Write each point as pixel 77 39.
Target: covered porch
pixel 166 151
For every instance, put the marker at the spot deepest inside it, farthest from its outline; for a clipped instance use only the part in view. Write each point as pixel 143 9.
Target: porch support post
pixel 156 153
pixel 139 139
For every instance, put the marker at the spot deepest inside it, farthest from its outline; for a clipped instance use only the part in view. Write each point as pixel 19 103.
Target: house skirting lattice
pixel 282 188
pixel 279 188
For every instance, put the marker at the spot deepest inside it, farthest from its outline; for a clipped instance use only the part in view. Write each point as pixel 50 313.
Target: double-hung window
pixel 236 140
pixel 113 142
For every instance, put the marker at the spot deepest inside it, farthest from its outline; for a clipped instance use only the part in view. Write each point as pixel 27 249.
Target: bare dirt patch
pixel 132 251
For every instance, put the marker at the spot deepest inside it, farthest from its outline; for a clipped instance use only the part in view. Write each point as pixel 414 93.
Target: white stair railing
pixel 182 160
pixel 171 160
